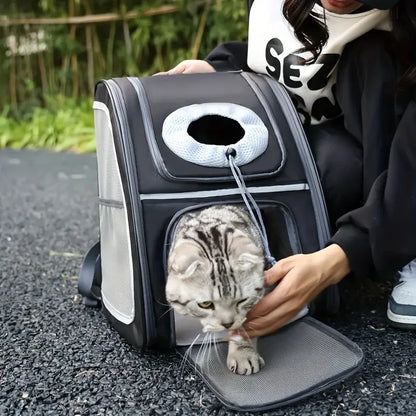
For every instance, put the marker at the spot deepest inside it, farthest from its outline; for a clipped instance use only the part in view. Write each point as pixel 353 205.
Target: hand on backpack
pixel 302 277
pixel 189 66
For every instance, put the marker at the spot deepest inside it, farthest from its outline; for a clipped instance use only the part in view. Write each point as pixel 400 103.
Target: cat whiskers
pixel 162 303
pixel 209 348
pixel 166 312
pixel 206 349
pixel 216 349
pixel 206 346
pixel 200 356
pixel 186 355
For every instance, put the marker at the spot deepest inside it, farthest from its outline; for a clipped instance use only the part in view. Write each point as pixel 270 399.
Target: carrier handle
pixel 89 279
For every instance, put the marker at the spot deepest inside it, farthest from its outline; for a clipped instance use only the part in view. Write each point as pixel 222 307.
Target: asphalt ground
pixel 58 357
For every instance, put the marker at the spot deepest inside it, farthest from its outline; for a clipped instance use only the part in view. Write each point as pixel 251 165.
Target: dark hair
pixel 311 31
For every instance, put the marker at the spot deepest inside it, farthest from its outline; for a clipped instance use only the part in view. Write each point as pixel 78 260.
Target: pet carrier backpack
pixel 170 144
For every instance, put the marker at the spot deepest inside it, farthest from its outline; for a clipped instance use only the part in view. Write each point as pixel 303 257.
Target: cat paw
pixel 245 362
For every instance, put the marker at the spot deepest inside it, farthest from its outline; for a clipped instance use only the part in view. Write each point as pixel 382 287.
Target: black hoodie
pixel 380 237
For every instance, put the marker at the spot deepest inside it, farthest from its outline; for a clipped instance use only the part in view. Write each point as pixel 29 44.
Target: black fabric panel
pixel 230 87
pixel 167 94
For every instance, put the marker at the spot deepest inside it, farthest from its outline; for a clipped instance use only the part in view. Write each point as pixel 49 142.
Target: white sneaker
pixel 401 309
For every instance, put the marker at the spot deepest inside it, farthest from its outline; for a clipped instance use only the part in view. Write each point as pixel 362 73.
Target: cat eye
pixel 242 301
pixel 206 305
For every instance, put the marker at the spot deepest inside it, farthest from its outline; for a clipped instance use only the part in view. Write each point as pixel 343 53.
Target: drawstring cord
pixel 250 204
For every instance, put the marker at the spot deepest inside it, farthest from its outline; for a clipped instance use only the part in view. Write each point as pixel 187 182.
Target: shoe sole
pixel 401 321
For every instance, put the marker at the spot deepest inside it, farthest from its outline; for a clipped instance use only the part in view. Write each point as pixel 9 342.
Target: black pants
pixel 338 158
pixel 352 152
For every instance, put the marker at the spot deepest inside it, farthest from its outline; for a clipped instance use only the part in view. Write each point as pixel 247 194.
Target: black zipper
pixel 149 132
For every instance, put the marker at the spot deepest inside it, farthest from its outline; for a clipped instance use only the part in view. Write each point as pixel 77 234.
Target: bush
pixel 65 125
pixel 35 111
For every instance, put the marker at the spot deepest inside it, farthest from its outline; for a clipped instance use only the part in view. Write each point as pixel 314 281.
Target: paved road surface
pixel 58 357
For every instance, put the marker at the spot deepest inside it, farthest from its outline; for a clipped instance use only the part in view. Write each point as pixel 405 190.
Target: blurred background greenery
pixel 54 51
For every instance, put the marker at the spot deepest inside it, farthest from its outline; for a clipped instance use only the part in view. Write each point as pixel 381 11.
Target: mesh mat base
pixel 302 359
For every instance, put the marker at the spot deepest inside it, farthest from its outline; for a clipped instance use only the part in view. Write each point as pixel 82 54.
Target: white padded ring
pixel 249 147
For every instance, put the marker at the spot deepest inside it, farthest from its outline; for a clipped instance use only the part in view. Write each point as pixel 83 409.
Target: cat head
pixel 219 287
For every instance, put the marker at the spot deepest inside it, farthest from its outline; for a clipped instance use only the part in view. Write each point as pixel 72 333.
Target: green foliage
pixel 75 58
pixel 163 41
pixel 64 125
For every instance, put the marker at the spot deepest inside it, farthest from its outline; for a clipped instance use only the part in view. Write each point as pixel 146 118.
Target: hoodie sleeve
pixel 380 237
pixel 229 56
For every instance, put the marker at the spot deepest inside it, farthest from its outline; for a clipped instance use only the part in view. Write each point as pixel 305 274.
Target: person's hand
pixel 302 277
pixel 189 66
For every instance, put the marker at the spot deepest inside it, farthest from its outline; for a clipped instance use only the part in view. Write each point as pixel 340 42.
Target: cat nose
pixel 227 325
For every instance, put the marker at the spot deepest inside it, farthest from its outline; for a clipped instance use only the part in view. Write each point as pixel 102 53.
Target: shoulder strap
pixel 89 279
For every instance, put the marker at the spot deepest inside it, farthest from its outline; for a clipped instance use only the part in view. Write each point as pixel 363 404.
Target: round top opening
pixel 216 129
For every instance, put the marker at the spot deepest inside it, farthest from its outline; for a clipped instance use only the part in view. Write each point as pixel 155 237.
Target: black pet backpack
pixel 167 145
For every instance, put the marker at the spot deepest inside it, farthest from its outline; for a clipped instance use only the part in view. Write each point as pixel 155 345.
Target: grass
pixel 63 125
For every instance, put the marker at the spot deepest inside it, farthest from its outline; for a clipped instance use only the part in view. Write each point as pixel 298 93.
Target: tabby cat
pixel 215 273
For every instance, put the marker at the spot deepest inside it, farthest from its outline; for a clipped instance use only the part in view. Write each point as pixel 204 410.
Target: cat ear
pixel 248 260
pixel 185 260
pixel 246 253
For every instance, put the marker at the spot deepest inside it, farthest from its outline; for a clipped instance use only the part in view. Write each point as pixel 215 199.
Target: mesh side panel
pixel 301 359
pixel 117 270
pixel 109 183
pixel 117 283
